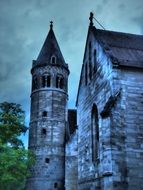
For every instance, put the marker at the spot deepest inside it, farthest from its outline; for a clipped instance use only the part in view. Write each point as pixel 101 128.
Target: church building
pixel 98 145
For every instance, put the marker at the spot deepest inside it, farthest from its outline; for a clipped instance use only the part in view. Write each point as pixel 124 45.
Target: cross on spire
pixel 51 24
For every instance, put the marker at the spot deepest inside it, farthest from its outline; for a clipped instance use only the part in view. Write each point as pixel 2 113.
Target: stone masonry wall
pixel 47 132
pixel 71 164
pixel 97 92
pixel 127 130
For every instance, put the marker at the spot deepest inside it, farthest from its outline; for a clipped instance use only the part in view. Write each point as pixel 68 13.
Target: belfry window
pixel 43 81
pixel 53 59
pixel 59 82
pixel 95 134
pixel 46 81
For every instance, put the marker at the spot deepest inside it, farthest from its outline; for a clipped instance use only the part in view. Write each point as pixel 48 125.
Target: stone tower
pixel 48 117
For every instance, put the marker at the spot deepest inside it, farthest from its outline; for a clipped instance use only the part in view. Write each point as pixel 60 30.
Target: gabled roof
pixel 50 48
pixel 124 48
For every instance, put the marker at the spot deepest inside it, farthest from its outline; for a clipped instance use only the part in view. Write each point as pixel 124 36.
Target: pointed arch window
pixel 95 134
pixel 90 63
pixel 95 61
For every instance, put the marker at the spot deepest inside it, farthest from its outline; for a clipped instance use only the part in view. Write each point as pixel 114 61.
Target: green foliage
pixel 12 119
pixel 15 160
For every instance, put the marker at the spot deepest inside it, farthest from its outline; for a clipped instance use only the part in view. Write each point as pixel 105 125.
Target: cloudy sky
pixel 24 25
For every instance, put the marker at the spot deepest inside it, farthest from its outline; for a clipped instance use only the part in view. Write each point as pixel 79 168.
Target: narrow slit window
pixel 90 70
pixel 90 62
pixel 95 61
pixel 61 83
pixel 44 132
pixel 47 160
pixel 44 114
pixel 56 185
pixel 95 134
pixel 57 82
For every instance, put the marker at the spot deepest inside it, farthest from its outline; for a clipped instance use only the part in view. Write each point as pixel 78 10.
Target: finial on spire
pixel 51 24
pixel 91 18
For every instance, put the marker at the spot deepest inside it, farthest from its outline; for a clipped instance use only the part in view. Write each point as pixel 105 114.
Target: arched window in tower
pixel 95 61
pixel 43 81
pixel 59 82
pixel 95 134
pixel 53 59
pixel 46 81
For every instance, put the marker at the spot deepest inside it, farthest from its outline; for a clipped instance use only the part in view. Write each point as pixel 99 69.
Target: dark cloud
pixel 25 24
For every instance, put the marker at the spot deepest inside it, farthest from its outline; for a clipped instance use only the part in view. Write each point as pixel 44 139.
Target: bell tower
pixel 48 116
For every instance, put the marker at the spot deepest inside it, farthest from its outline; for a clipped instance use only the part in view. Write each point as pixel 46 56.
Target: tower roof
pixel 50 48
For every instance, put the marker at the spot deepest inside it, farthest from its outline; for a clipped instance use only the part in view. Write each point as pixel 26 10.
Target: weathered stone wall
pixel 96 175
pixel 127 130
pixel 47 132
pixel 120 131
pixel 71 164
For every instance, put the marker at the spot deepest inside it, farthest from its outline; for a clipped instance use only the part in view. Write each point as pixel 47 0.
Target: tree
pixel 15 160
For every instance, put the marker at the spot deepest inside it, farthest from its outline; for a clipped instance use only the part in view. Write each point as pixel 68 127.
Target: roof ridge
pixel 117 32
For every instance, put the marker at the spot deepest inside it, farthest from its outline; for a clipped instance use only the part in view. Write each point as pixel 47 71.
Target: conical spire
pixel 50 49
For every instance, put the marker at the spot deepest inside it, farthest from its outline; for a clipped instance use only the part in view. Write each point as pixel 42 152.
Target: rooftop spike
pixel 91 18
pixel 51 24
